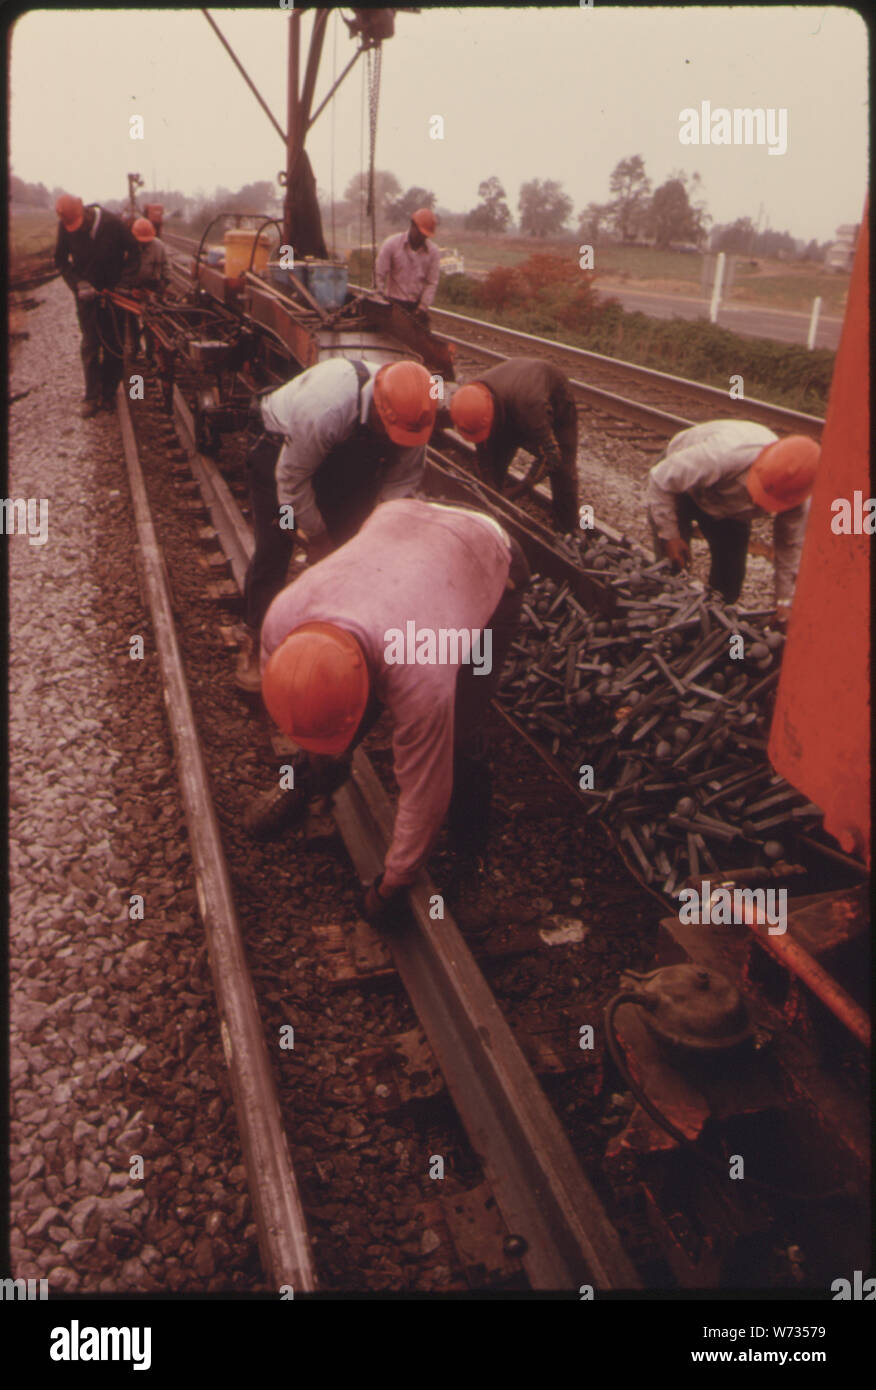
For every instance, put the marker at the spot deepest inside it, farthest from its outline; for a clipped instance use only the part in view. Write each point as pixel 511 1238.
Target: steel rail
pixel 535 538
pixel 234 534
pixel 535 1177
pixel 608 401
pixel 793 420
pixel 282 1232
pixel 540 494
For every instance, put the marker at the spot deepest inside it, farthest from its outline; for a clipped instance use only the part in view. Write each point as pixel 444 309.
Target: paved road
pixel 781 324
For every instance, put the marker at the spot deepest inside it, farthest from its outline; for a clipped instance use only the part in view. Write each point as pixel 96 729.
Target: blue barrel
pixel 327 282
pixel 280 275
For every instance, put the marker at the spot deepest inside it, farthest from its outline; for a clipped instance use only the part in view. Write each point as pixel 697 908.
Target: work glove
pixel 421 316
pixel 376 906
pixel 678 553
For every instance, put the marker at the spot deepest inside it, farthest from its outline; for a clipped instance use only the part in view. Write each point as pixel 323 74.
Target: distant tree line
pixel 672 214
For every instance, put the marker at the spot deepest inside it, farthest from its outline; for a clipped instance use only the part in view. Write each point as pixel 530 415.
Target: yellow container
pixel 238 250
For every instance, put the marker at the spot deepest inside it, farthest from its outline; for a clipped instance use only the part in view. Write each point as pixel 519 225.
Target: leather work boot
pixel 247 675
pixel 89 407
pixel 472 900
pixel 274 811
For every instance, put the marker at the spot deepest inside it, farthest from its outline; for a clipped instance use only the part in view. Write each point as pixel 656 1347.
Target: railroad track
pixel 563 1233
pixel 674 404
pixel 283 1242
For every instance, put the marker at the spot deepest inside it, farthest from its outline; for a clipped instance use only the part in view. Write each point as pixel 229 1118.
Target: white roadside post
pixel 813 322
pixel 716 288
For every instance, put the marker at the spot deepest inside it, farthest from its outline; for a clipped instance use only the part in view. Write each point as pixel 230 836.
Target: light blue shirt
pixel 315 412
pixel 710 462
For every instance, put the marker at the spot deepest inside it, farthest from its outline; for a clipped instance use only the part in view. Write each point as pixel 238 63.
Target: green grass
pixel 31 234
pixel 780 284
pixel 646 263
pixel 792 289
pixel 483 252
pixel 785 374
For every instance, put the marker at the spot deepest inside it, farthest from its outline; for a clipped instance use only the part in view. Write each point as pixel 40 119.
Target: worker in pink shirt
pixel 414 615
pixel 409 265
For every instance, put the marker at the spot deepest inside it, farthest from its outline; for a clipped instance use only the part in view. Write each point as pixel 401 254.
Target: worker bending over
pixel 151 277
pixel 723 475
pixel 409 264
pixel 414 615
pixel 335 440
pixel 92 252
pixel 524 404
pixel 153 270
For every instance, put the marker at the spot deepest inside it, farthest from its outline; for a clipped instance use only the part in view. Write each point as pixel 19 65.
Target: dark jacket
pixel 98 256
pixel 530 398
pixel 152 272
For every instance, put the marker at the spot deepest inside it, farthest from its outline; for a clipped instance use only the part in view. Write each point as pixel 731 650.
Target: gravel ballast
pixel 114 1045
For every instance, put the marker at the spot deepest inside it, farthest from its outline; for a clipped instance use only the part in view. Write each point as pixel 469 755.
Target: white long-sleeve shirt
pixel 403 273
pixel 709 462
pixel 315 411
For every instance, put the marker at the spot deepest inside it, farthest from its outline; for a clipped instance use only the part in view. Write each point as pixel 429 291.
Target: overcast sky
pixel 534 92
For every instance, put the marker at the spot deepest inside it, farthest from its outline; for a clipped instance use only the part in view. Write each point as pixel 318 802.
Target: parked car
pixel 452 263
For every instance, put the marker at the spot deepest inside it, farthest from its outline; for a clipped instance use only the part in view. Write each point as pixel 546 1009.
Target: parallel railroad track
pixel 671 403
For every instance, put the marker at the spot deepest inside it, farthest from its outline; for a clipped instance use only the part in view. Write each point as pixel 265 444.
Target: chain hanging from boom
pixel 373 58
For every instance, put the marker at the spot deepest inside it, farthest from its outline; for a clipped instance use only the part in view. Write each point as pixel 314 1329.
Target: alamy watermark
pixel 741 126
pixel 730 906
pixel 448 646
pixel 26 517
pixel 75 1343
pixel 24 1289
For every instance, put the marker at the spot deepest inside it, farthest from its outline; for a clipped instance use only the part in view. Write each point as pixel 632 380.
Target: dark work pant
pixel 266 571
pixel 345 486
pixel 469 814
pixel 100 348
pixel 410 307
pixel 728 544
pixel 497 455
pixel 564 478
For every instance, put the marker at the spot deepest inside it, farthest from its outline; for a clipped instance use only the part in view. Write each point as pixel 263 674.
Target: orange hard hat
pixel 69 209
pixel 143 229
pixel 472 411
pixel 404 402
pixel 783 473
pixel 315 687
pixel 425 220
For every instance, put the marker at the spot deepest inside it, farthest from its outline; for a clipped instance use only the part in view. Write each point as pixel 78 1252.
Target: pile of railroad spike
pixel 674 728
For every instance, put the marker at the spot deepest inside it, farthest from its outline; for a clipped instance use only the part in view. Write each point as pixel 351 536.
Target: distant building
pixel 841 253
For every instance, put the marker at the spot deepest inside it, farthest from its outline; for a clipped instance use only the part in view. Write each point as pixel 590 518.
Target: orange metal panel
pixel 820 736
